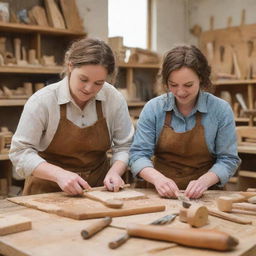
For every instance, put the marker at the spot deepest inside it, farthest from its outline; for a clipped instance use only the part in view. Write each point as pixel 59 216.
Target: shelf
pixel 232 82
pixel 243 119
pixel 136 104
pixel 12 102
pixel 247 149
pixel 137 65
pixel 15 27
pixel 31 69
pixel 4 157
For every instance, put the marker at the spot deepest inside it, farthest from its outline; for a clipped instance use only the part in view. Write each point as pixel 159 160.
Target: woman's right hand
pixel 71 182
pixel 166 187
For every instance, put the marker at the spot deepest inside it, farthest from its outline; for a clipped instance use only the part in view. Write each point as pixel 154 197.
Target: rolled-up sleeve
pixel 25 142
pixel 143 145
pixel 227 160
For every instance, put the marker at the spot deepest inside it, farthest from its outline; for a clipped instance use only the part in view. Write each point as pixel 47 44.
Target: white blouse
pixel 41 115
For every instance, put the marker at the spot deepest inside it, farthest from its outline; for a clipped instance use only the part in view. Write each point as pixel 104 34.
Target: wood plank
pixel 13 224
pixel 54 15
pixel 71 15
pixel 82 208
pixel 125 194
pixel 24 28
pixel 31 69
pixel 55 235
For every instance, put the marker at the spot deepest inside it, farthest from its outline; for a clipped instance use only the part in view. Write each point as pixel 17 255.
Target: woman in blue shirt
pixel 186 138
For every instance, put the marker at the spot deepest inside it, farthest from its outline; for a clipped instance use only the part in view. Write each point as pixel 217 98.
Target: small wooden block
pixel 13 224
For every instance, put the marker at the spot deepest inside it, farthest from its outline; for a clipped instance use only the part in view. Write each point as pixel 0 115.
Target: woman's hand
pixel 166 187
pixel 196 188
pixel 113 181
pixel 71 182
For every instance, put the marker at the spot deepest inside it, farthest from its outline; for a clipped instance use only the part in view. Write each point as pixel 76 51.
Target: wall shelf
pixel 31 69
pixel 23 28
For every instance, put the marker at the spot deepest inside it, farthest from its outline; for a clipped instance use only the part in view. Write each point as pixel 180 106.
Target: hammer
pixel 226 204
pixel 195 215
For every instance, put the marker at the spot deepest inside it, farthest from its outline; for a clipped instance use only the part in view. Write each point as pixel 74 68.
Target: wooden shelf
pixel 136 65
pixel 31 69
pixel 232 82
pixel 12 102
pixel 246 149
pixel 15 27
pixel 4 157
pixel 136 104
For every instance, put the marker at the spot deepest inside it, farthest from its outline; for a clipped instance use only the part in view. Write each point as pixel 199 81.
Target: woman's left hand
pixel 113 182
pixel 195 189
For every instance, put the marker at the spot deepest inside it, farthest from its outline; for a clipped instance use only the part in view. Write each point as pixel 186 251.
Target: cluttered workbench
pixel 61 224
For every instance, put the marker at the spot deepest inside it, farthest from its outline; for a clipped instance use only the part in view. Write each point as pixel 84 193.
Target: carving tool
pixel 95 227
pixel 121 240
pixel 103 188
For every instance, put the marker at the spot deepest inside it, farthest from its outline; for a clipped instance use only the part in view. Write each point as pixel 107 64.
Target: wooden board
pixel 126 194
pixel 71 15
pixel 13 224
pixel 81 208
pixel 54 15
pixel 55 235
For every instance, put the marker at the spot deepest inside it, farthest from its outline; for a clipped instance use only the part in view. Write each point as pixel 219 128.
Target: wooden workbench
pixel 55 235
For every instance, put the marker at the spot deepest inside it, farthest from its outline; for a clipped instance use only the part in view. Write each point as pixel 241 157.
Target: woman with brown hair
pixel 189 133
pixel 67 127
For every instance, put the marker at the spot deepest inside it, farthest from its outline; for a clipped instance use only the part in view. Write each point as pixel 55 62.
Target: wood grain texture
pixel 71 15
pixel 82 208
pixel 54 15
pixel 13 224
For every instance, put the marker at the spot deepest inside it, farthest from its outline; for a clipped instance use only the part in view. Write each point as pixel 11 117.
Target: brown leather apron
pixel 80 150
pixel 184 156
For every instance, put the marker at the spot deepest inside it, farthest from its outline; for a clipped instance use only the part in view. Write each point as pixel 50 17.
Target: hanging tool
pixel 121 240
pixel 95 227
pixel 202 238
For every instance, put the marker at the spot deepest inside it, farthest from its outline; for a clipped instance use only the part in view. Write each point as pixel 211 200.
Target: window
pixel 128 18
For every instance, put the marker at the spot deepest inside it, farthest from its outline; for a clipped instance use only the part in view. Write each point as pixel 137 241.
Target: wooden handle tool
pixel 95 227
pixel 229 216
pixel 103 188
pixel 226 204
pixel 201 238
pixel 121 240
pixel 112 203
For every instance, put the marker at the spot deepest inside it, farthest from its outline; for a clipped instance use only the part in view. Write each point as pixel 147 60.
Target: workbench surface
pixel 55 235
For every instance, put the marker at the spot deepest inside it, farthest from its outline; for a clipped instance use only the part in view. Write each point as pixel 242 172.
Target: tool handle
pixel 118 242
pixel 103 188
pixel 252 200
pixel 202 238
pixel 95 227
pixel 244 206
pixel 228 216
